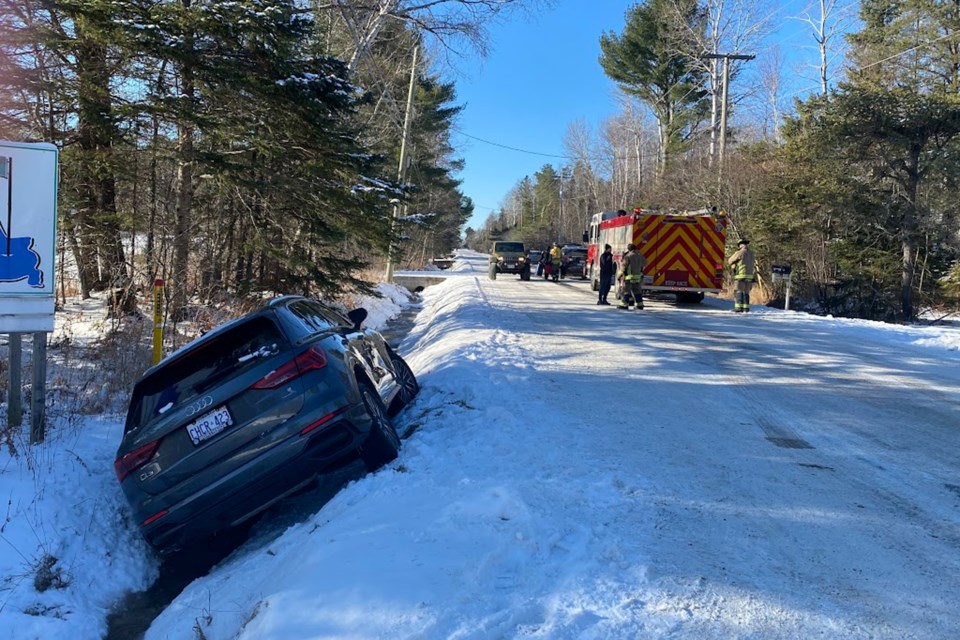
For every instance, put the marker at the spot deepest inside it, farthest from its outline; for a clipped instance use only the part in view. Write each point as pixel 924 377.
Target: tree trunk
pixel 909 234
pixel 98 224
pixel 184 195
pixel 181 249
pixel 74 242
pixel 662 151
pixel 150 255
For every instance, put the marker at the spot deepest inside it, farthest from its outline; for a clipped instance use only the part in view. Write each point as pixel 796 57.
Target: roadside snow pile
pixel 70 550
pixel 381 310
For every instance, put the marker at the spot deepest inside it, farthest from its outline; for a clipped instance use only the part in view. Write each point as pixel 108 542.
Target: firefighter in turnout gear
pixel 744 269
pixel 631 273
pixel 556 256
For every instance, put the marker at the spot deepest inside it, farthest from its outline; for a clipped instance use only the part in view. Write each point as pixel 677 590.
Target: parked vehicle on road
pixel 509 257
pixel 575 262
pixel 253 411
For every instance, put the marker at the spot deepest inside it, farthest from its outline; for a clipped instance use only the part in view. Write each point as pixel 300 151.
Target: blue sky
pixel 542 74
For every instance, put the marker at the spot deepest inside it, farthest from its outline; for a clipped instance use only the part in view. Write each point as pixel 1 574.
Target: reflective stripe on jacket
pixel 743 263
pixel 632 264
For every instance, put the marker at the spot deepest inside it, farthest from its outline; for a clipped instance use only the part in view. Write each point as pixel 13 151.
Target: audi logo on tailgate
pixel 199 405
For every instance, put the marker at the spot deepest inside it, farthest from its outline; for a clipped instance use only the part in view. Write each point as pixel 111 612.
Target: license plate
pixel 209 425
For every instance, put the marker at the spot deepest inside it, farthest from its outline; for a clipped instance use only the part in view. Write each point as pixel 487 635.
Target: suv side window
pixel 334 316
pixel 308 318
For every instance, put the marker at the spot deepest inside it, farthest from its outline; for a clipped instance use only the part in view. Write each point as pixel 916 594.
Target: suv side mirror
pixel 357 316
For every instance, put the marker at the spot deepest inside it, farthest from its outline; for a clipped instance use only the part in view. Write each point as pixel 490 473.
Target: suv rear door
pixel 209 403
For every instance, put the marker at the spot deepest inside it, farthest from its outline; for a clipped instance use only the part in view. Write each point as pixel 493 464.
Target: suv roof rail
pixel 281 299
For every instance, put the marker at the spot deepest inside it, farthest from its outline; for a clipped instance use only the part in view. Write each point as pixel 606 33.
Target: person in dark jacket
pixel 606 273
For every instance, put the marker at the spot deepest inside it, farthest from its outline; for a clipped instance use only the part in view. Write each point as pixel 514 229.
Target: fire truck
pixel 684 249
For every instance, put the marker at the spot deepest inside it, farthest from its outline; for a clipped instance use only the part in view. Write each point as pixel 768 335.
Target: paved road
pixel 784 453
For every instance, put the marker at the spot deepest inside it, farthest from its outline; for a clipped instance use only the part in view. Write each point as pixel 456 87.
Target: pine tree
pixel 268 120
pixel 648 60
pixel 437 204
pixel 885 140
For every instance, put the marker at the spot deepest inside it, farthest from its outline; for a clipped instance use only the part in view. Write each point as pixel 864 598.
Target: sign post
pixel 27 252
pixel 15 398
pixel 157 320
pixel 784 272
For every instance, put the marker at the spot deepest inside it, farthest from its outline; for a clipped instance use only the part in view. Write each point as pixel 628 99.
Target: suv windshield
pixel 508 247
pixel 202 368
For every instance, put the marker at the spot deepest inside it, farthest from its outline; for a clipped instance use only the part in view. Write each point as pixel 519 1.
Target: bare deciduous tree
pixel 828 19
pixel 733 26
pixel 771 76
pixel 447 21
pixel 579 147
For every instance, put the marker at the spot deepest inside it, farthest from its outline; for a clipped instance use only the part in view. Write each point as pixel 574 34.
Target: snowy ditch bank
pixel 72 558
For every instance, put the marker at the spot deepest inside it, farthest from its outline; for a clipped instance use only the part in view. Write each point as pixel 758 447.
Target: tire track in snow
pixel 859 472
pixel 522 311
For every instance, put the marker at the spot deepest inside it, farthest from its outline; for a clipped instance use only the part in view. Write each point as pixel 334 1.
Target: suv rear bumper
pixel 252 488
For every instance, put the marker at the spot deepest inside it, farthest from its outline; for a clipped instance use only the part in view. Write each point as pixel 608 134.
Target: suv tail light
pixel 311 359
pixel 132 461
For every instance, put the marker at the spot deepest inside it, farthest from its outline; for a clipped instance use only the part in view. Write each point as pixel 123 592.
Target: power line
pixel 911 49
pixel 504 146
pixel 887 59
pixel 699 85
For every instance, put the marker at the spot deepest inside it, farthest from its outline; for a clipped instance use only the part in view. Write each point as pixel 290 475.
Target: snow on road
pixel 575 471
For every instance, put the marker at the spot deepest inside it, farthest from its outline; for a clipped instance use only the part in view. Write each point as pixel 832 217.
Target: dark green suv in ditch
pixel 253 411
pixel 510 257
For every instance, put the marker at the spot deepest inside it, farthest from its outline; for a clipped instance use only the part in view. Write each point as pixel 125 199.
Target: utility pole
pixel 714 81
pixel 402 169
pixel 560 223
pixel 726 57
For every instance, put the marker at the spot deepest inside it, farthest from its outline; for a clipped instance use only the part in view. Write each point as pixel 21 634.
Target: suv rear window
pixel 515 247
pixel 201 368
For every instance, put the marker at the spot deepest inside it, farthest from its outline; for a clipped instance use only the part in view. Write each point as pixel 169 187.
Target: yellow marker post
pixel 157 320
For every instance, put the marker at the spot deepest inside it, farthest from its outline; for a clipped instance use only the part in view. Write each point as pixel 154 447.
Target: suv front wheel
pixel 383 443
pixel 406 380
